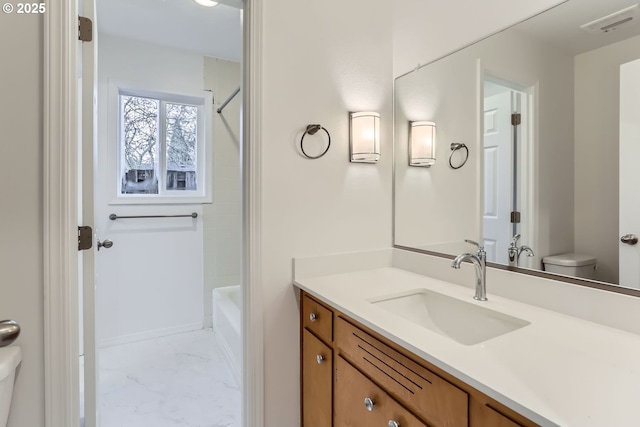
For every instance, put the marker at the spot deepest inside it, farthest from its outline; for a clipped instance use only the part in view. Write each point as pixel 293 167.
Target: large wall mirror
pixel 537 146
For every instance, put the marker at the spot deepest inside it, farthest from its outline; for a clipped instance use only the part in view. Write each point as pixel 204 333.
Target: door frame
pixel 60 220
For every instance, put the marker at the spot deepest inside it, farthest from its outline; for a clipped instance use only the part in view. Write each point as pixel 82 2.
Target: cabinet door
pixel 361 403
pixel 317 375
pixel 489 417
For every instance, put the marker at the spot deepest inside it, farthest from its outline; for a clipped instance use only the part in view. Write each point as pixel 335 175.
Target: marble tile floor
pixel 178 380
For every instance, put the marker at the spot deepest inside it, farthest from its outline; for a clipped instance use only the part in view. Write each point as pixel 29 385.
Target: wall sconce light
pixel 422 144
pixel 364 137
pixel 206 3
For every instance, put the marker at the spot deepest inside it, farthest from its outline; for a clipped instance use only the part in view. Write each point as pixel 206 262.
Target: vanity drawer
pixel 351 390
pixel 440 402
pixel 317 374
pixel 317 318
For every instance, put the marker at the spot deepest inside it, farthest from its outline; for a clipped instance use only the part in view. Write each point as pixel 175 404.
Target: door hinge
pixel 85 29
pixel 515 217
pixel 85 238
pixel 516 119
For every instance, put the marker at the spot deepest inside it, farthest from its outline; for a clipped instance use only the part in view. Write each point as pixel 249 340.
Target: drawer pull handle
pixel 369 403
pixel 313 317
pixel 393 423
pixel 320 359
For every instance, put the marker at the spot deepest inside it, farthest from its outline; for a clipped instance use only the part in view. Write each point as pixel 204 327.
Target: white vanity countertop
pixel 557 371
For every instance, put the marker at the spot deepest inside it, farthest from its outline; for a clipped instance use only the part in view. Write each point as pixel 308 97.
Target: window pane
pixel 182 123
pixel 139 144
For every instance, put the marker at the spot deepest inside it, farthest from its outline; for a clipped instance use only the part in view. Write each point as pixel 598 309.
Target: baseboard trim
pixel 208 321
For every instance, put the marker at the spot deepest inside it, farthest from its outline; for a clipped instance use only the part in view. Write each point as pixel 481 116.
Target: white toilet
pixel 570 264
pixel 10 357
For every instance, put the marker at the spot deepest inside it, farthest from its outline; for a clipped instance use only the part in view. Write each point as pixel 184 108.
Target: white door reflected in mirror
pixel 505 146
pixel 629 255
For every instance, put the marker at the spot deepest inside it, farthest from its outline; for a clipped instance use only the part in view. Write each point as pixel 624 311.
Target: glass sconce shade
pixel 422 144
pixel 364 137
pixel 206 3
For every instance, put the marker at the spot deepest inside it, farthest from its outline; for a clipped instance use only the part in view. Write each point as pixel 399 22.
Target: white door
pixel 86 90
pixel 629 254
pixel 497 227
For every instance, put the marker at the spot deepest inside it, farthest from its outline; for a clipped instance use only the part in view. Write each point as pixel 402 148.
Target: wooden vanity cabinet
pixel 403 390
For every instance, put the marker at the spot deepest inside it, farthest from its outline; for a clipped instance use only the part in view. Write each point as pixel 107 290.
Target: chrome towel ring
pixel 312 130
pixel 455 147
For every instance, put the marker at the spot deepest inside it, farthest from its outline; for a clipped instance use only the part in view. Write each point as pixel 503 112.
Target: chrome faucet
pixel 515 251
pixel 479 261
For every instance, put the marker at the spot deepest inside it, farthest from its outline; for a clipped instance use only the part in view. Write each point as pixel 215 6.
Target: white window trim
pixel 204 168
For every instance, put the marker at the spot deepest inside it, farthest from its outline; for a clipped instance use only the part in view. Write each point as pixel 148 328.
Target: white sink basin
pixel 464 322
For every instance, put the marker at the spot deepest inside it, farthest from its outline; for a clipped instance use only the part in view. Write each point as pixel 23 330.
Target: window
pixel 161 143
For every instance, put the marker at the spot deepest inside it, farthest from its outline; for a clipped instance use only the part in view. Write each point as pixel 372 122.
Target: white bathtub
pixel 226 314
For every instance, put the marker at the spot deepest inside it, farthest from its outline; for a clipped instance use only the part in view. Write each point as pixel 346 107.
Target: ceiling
pixel 212 31
pixel 561 25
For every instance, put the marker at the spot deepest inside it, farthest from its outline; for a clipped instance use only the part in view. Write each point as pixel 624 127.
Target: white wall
pixel 223 218
pixel 151 281
pixel 21 262
pixel 597 81
pixel 321 60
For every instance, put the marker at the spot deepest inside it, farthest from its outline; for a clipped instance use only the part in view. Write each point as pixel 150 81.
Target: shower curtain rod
pixel 224 104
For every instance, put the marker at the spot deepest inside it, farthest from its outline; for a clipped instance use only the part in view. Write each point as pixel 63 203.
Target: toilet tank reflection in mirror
pixel 539 108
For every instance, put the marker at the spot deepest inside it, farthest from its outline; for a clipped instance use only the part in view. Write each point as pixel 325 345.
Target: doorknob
pixel 9 331
pixel 105 244
pixel 629 239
